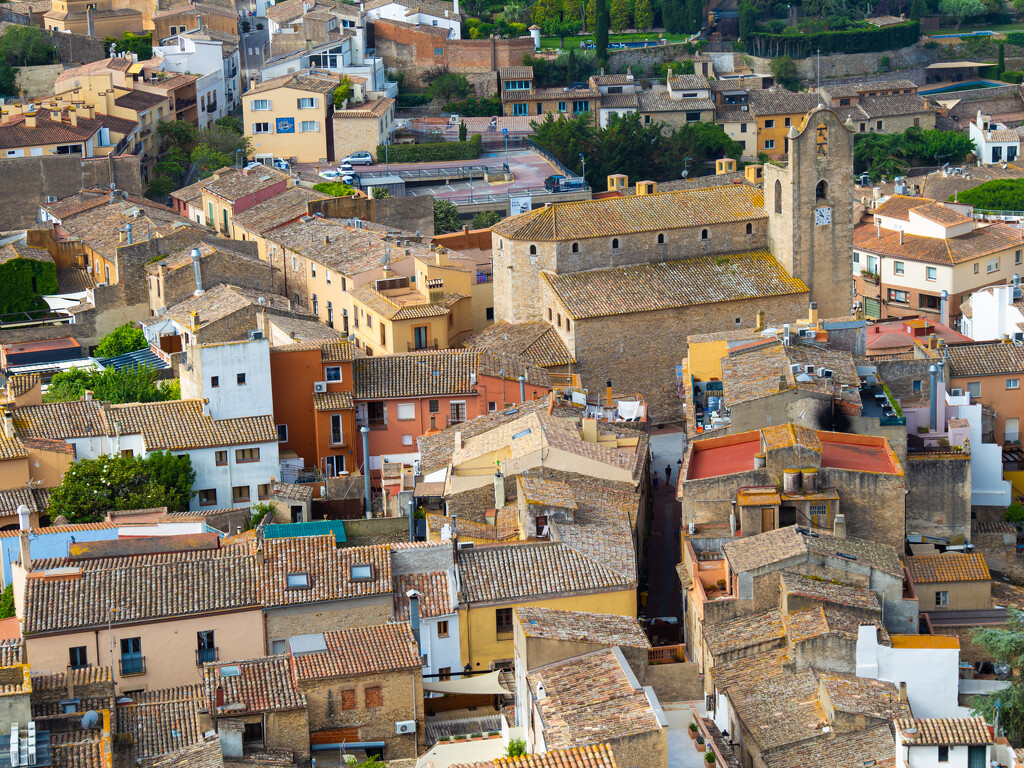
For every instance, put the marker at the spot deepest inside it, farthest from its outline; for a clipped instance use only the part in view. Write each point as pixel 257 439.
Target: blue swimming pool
pixel 979 33
pixel 971 86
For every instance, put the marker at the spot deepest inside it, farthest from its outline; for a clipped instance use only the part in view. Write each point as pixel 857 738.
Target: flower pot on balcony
pixel 692 731
pixel 699 744
pixel 709 758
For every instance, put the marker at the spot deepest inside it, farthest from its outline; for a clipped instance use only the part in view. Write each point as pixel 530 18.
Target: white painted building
pixel 232 376
pixel 995 142
pixel 217 88
pixel 343 57
pixel 996 311
pixel 959 743
pixel 436 13
pixel 928 664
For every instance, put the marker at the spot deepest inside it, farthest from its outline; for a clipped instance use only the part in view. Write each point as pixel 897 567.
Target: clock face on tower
pixel 823 215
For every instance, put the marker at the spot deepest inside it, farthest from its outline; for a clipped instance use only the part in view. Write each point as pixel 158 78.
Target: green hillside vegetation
pixel 996 195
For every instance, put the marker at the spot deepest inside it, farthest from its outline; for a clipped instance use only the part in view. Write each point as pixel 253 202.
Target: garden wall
pixel 838 65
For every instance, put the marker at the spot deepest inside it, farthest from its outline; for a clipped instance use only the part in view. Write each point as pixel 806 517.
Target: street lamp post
pixel 584 162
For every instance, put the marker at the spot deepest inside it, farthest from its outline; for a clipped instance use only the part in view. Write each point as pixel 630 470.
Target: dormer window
pixel 361 572
pixel 297 580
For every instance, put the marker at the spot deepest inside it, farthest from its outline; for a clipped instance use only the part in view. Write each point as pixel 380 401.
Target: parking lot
pixel 529 169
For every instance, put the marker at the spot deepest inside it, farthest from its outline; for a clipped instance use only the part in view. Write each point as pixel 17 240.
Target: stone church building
pixel 624 280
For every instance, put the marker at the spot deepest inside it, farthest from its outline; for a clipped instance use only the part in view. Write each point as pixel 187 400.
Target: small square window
pixel 215 381
pixel 442 629
pixel 434 406
pixel 240 379
pixel 1013 383
pixel 943 755
pixel 282 433
pixel 361 572
pixel 240 494
pixel 917 387
pixel 933 273
pixel 208 497
pixel 297 580
pixel 348 699
pixel 942 599
pixel 492 406
pixel 406 439
pixel 263 491
pixel 373 697
pixel 897 267
pixel 332 373
pixel 490 313
pixel 222 458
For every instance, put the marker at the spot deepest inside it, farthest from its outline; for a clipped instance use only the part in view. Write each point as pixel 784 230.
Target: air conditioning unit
pixel 809 369
pixel 825 373
pixel 807 333
pixel 51 199
pixel 255 335
pixel 744 108
pixel 319 386
pixel 795 368
pixel 405 726
pixel 465 545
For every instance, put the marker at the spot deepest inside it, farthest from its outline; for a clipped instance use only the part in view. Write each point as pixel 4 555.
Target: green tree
pixel 1005 645
pixel 223 138
pixel 124 338
pixel 8 75
pixel 26 46
pixel 619 15
pixel 129 42
pixel 694 16
pixel 92 487
pixel 1015 513
pixel 783 69
pixel 643 15
pixel 7 602
pixel 381 193
pixel 748 20
pixel 128 385
pixel 546 11
pixel 446 217
pixel 160 186
pixel 601 23
pixel 592 14
pixel 1001 61
pixel 918 8
pixel 463 130
pixel 687 67
pixel 474 107
pixel 561 30
pixel 177 133
pixel 209 159
pixel 572 11
pixel 343 92
pixel 962 10
pixel 515 748
pixel 231 123
pixel 485 220
pixel 449 87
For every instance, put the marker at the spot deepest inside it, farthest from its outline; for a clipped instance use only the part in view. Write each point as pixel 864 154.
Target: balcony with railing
pixel 422 345
pixel 133 665
pixel 211 107
pixel 206 656
pixel 667 654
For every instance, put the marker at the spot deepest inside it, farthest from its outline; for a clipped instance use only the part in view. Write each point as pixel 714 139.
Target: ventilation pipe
pixel 809 477
pixel 365 431
pixel 944 308
pixel 732 519
pixel 24 517
pixel 522 389
pixel 839 527
pixel 942 372
pixel 128 233
pixel 196 255
pixel 933 371
pixel 812 313
pixel 414 613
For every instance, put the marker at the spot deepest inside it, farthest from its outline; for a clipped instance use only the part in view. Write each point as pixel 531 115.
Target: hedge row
pixel 412 99
pixel 1012 76
pixel 867 40
pixel 433 152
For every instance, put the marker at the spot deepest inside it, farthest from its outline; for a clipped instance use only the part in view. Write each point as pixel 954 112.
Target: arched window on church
pixel 575 247
pixel 821 191
pixel 661 239
pixel 703 234
pixel 778 196
pixel 750 228
pixel 533 250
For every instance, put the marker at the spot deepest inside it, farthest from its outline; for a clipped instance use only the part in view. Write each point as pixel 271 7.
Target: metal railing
pixel 981 213
pixel 550 158
pixel 667 654
pixel 475 171
pixel 206 655
pixel 212 107
pixel 421 346
pixel 133 665
pixel 472 197
pixel 503 634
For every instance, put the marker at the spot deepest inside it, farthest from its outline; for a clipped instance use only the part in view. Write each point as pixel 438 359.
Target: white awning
pixel 481 685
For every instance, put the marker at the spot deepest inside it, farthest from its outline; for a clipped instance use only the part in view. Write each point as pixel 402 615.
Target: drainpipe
pixel 933 371
pixel 412 520
pixel 522 389
pixel 365 430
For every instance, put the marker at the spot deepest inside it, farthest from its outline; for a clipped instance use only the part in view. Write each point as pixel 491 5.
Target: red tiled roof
pixel 362 651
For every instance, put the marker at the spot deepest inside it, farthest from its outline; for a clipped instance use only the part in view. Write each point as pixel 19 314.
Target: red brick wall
pixel 412 49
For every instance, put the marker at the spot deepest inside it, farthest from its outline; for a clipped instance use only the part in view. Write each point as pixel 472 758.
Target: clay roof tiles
pixel 589 756
pixel 253 686
pixel 985 359
pixel 536 341
pixel 333 401
pixel 275 211
pixel 688 282
pixel 947 567
pixel 856 749
pixel 615 216
pixel 829 592
pixel 580 626
pixel 161 722
pixel 944 731
pixel 778 101
pixel 435 594
pixel 329 571
pixel 181 424
pixel 745 632
pixel 779 711
pixel 362 651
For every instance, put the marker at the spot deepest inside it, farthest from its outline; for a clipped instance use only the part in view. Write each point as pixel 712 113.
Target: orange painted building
pixel 400 397
pixel 313 408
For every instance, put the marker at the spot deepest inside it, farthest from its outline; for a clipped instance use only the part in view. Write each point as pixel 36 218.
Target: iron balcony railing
pixel 133 665
pixel 206 655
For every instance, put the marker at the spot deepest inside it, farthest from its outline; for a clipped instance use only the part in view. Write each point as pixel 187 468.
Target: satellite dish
pixel 685 174
pixel 90 720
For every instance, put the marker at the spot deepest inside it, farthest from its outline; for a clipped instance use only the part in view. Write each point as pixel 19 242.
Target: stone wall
pixel 873 503
pixel 839 65
pixel 648 57
pixel 229 264
pixel 28 181
pixel 75 50
pixel 409 214
pixel 285 622
pixel 37 82
pixel 939 502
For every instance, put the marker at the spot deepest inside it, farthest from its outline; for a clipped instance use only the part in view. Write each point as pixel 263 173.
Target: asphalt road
pixel 254 45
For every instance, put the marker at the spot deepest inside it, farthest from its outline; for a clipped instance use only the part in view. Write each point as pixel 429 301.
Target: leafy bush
pixel 7 602
pixel 91 487
pixel 433 152
pixel 1013 38
pixel 26 46
pixel 515 748
pixel 123 339
pixel 891 154
pixel 412 99
pixel 485 220
pixel 335 189
pixel 449 87
pixel 1014 514
pixel 446 217
pixel 865 39
pixel 1012 76
pixel 129 385
pixel 23 282
pixel 995 195
pixel 474 107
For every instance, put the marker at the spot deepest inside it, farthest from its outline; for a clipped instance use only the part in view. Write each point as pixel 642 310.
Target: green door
pixel 976 757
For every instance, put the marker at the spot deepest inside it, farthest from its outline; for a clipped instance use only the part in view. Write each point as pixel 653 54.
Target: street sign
pixel 504 130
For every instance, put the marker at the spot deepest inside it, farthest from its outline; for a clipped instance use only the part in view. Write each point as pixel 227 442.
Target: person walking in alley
pixel 668 474
pixel 654 480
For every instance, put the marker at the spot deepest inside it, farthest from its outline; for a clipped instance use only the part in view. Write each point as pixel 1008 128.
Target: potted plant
pixel 693 731
pixel 700 743
pixel 709 757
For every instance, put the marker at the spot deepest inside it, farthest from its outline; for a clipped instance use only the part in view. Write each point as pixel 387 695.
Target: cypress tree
pixel 601 30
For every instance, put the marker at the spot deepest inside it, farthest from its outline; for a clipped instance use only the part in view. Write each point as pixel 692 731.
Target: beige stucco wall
pixel 308 147
pixel 168 647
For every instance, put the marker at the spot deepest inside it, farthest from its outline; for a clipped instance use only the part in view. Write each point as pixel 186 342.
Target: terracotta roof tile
pixel 874 747
pixel 181 424
pixel 161 722
pixel 333 401
pixel 975 244
pixel 435 594
pixel 277 210
pixel 829 591
pixel 947 567
pixel 536 341
pixel 745 632
pixel 779 101
pixel 985 359
pixel 589 756
pixel 361 651
pixel 780 710
pixel 748 669
pixel 445 372
pixel 580 626
pixel 629 215
pixel 688 282
pixel 944 731
pixel 252 686
pixel 328 569
pixel 589 699
pixel 323 82
pixel 231 184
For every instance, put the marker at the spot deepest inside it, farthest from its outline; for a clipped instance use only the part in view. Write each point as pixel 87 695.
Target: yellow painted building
pixel 290 116
pixel 97 18
pixel 61 126
pixel 776 111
